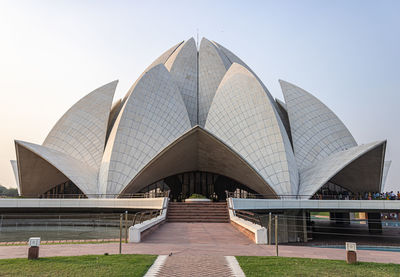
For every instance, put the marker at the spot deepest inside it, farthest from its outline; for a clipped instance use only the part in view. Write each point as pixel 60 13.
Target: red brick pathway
pixel 197 233
pixel 183 265
pixel 198 239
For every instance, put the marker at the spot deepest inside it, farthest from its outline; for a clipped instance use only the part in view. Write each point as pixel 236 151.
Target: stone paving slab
pixel 198 240
pixel 195 265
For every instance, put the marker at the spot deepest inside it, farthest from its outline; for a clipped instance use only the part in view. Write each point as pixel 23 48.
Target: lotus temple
pixel 199 120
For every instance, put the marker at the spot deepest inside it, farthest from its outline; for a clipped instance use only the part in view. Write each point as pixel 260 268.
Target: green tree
pixel 11 192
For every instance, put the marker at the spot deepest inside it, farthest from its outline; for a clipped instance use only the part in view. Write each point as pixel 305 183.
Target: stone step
pixel 196 205
pixel 201 210
pixel 198 212
pixel 198 216
pixel 205 220
pixel 215 212
pixel 191 204
pixel 197 219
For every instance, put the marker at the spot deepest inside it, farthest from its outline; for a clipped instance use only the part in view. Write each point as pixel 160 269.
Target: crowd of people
pixel 346 195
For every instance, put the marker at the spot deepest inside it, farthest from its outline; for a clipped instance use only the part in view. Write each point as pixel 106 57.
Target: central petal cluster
pixel 199 109
pixel 213 89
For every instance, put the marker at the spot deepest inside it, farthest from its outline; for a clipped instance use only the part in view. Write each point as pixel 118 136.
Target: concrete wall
pixel 133 203
pixel 328 205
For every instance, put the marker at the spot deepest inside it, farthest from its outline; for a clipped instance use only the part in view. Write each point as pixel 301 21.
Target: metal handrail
pixel 140 217
pixel 249 195
pixel 84 196
pixel 250 216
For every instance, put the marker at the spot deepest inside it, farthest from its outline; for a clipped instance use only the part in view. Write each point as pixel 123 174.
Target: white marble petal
pixel 244 118
pixel 81 131
pixel 160 60
pixel 316 131
pixel 153 116
pixel 386 168
pixel 212 68
pixel 319 173
pixel 235 59
pixel 164 56
pixel 82 175
pixel 182 65
pixel 15 170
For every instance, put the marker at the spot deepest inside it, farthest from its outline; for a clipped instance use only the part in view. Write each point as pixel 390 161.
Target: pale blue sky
pixel 52 53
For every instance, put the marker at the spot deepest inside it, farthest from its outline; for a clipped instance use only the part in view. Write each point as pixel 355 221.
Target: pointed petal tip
pixel 239 69
pixel 158 66
pixel 283 82
pixel 112 83
pixel 18 142
pixel 205 40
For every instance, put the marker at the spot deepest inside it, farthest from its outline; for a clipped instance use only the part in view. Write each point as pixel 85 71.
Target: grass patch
pixel 281 266
pixel 319 213
pixel 90 265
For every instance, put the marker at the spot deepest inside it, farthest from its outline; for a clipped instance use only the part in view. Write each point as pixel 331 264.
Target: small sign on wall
pixel 34 242
pixel 351 246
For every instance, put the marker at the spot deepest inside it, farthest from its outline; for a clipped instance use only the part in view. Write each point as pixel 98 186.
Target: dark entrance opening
pixel 64 190
pixel 211 185
pixel 333 191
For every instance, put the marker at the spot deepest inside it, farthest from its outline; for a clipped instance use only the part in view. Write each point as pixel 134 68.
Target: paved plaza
pixel 198 239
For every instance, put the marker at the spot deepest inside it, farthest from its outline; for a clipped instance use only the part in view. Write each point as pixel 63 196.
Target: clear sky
pixel 346 53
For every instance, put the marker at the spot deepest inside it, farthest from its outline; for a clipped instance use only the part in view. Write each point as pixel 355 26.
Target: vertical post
pixel 270 229
pixel 276 235
pixel 134 219
pixel 126 226
pixel 305 226
pixel 120 233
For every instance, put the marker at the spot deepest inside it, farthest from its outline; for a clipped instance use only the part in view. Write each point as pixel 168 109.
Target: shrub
pixel 197 196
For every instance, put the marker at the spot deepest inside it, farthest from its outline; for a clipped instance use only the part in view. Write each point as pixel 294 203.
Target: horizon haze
pixel 54 53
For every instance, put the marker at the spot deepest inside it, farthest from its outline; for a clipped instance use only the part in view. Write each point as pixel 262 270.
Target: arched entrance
pixel 198 151
pixel 211 185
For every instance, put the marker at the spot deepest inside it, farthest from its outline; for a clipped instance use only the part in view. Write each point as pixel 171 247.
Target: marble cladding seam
pixel 183 68
pixel 154 116
pixel 242 116
pixel 81 131
pixel 316 131
pixel 211 71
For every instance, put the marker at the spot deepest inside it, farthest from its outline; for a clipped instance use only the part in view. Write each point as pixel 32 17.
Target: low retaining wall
pixel 245 231
pixel 255 232
pixel 139 231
